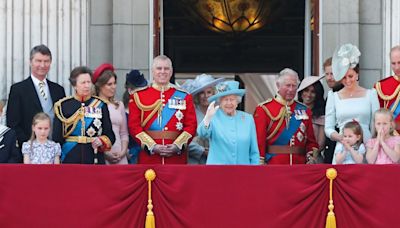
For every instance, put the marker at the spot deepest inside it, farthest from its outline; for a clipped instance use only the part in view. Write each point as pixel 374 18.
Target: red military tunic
pixel 275 141
pixel 161 117
pixel 388 90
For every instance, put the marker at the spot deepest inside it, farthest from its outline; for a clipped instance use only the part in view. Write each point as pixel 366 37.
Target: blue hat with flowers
pixel 344 58
pixel 227 88
pixel 200 83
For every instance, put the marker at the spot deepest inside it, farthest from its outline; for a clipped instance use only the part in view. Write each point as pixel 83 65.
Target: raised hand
pixel 211 110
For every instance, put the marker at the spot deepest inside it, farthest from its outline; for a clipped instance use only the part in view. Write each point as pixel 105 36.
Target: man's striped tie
pixel 41 90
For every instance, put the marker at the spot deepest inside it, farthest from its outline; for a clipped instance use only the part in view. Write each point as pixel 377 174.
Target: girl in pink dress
pixel 384 147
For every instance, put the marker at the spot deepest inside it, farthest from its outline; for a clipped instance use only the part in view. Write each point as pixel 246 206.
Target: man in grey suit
pixel 32 95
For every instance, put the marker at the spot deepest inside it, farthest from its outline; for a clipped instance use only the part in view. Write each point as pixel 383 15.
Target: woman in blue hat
pixel 232 133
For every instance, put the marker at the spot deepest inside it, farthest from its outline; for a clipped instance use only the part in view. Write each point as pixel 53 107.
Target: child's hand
pixel 346 145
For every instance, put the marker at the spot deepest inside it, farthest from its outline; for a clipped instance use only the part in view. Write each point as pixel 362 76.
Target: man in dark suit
pixel 32 95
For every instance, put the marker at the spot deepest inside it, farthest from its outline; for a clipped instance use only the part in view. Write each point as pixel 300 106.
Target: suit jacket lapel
pixel 32 90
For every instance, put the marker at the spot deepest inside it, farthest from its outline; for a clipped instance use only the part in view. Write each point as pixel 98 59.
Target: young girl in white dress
pixel 352 149
pixel 39 149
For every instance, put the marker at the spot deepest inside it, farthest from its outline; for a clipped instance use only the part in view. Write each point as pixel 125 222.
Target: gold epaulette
pixel 97 97
pixel 384 96
pixel 58 103
pixel 265 102
pixel 138 89
pixel 178 88
pixel 67 123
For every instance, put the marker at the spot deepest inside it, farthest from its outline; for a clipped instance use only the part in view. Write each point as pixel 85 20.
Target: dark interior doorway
pixel 194 48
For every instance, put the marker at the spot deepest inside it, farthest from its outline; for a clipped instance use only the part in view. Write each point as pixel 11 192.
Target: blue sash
pixel 286 135
pixel 396 112
pixel 166 113
pixel 68 146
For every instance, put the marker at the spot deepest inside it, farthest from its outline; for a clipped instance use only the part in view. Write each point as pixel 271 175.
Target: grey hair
pixel 287 72
pixel 395 48
pixel 238 99
pixel 161 58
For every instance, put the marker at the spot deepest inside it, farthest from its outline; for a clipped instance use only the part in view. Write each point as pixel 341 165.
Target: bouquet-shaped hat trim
pixel 345 57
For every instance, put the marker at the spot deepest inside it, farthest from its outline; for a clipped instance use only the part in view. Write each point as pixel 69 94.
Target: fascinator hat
pixel 307 81
pixel 227 88
pixel 200 83
pixel 344 58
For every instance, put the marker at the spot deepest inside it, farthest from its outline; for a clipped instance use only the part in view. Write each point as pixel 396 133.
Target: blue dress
pixel 233 139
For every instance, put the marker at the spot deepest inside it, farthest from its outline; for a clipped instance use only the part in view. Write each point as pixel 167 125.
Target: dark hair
pixel 42 49
pixel 319 102
pixel 357 69
pixel 102 80
pixel 328 62
pixel 78 71
pixel 356 128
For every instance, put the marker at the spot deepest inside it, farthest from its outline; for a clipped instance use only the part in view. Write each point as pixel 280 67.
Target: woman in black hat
pixel 134 80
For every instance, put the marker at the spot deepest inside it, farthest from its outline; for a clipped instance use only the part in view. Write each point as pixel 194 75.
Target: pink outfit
pixel 120 128
pixel 382 157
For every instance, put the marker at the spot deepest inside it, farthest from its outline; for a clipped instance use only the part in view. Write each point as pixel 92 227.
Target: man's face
pixel 287 88
pixel 40 65
pixel 162 72
pixel 395 62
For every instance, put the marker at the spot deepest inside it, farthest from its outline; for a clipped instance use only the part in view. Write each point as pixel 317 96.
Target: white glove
pixel 211 110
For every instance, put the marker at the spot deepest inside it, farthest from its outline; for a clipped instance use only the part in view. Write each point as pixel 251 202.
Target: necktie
pixel 41 90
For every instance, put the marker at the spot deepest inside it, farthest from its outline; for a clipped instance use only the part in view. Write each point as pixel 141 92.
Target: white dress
pixel 340 111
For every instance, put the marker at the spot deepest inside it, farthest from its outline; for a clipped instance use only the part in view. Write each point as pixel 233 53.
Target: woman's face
pixel 108 89
pixel 228 104
pixel 350 78
pixel 308 95
pixel 83 85
pixel 204 95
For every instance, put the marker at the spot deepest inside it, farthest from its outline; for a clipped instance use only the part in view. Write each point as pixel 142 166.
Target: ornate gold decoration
pixel 155 107
pixel 107 143
pixel 150 175
pixel 182 139
pixel 145 140
pixel 331 174
pixel 387 98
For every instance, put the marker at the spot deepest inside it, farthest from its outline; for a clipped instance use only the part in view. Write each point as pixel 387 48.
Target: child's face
pixel 42 129
pixel 383 122
pixel 350 137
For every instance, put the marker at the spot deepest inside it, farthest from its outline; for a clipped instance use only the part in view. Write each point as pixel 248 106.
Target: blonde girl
pixel 351 149
pixel 384 147
pixel 39 149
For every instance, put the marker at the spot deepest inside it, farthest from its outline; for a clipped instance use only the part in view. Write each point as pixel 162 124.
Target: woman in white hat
pixel 201 88
pixel 311 93
pixel 353 102
pixel 232 133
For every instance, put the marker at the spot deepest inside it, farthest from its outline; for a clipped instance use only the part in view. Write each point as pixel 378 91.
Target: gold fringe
pixel 150 175
pixel 331 174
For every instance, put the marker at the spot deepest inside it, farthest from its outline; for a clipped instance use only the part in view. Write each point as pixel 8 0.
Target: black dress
pixel 77 123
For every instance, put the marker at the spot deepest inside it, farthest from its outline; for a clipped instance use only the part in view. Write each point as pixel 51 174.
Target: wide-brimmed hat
pixel 200 83
pixel 227 88
pixel 100 69
pixel 307 81
pixel 136 78
pixel 345 57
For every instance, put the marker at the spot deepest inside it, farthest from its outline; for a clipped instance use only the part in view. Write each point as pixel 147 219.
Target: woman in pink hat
pixel 105 81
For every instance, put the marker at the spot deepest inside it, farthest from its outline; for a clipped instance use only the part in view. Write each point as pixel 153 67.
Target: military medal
pixel 302 127
pixel 179 117
pixel 97 123
pixel 91 132
pixel 300 136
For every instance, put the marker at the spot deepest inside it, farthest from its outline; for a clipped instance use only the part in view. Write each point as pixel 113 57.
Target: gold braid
pixel 156 107
pixel 280 116
pixel 67 122
pixel 387 98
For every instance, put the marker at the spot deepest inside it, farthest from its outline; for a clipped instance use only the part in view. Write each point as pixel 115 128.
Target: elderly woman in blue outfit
pixel 232 133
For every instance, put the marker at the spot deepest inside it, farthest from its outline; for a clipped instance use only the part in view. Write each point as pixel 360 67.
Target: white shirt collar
pixel 36 81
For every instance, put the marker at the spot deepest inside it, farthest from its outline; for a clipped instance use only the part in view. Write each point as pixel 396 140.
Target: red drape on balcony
pixel 197 196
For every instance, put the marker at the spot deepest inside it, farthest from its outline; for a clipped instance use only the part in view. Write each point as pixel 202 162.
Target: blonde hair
pixel 384 111
pixel 38 117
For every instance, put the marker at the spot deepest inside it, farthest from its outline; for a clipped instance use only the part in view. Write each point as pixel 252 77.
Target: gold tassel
pixel 331 174
pixel 150 175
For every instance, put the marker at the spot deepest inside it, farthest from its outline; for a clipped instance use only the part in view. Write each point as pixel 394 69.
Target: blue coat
pixel 233 139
